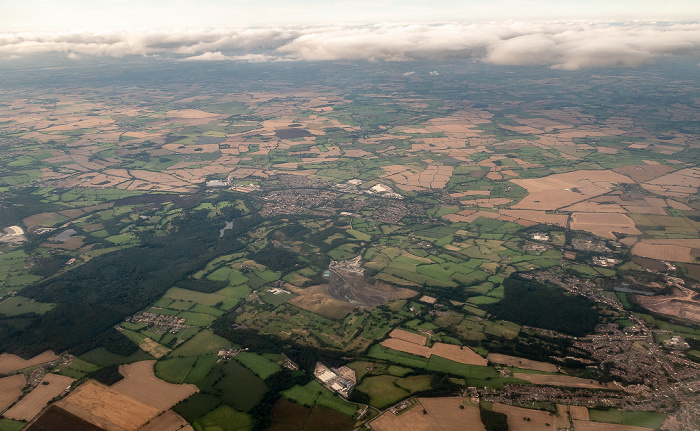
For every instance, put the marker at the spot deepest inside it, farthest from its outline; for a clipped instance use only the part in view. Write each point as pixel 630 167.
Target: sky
pixel 561 34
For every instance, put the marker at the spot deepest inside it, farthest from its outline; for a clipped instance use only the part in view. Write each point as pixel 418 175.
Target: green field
pixel 385 391
pixel 174 370
pixel 19 305
pixel 202 343
pixel 224 418
pixel 261 366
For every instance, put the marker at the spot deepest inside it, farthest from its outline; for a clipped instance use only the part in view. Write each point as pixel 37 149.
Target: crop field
pixel 521 363
pixel 520 419
pixel 461 354
pixel 440 194
pixel 168 421
pixel 28 407
pixel 141 384
pixel 201 369
pixel 113 407
pixel 225 418
pixel 559 380
pixel 385 391
pixel 10 362
pixel 601 426
pixel 19 305
pixel 210 299
pixel 261 366
pixel 203 342
pixel 410 337
pixel 11 389
pixel 440 414
pixel 226 380
pixel 650 420
pixel 104 358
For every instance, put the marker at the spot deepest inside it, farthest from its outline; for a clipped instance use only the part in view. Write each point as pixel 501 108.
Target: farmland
pixel 438 237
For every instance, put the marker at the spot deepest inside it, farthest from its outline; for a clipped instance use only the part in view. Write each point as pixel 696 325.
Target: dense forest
pixel 535 304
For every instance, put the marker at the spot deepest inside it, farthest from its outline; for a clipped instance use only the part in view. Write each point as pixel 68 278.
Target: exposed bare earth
pixel 141 384
pixel 11 389
pixel 31 405
pixel 680 303
pixel 528 364
pixel 317 300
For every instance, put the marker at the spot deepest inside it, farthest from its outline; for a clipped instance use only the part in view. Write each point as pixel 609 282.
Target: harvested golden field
pixel 600 426
pixel 408 336
pixel 142 385
pixel 406 346
pixel 537 216
pixel 560 380
pixel 561 190
pixel 11 389
pixel 668 252
pixel 603 224
pixel 190 113
pixel 435 177
pixel 95 399
pixel 51 386
pixel 528 364
pixel 461 354
pixel 10 363
pixel 520 419
pixel 442 414
pixel 578 413
pixel 168 421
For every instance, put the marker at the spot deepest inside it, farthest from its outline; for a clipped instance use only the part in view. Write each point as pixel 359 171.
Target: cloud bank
pixel 559 45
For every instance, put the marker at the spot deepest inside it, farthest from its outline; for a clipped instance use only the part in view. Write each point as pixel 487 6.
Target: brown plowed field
pixel 31 405
pixel 142 385
pixel 11 389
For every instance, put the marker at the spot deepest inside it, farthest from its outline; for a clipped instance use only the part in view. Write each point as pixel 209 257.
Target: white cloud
pixel 560 45
pixel 209 56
